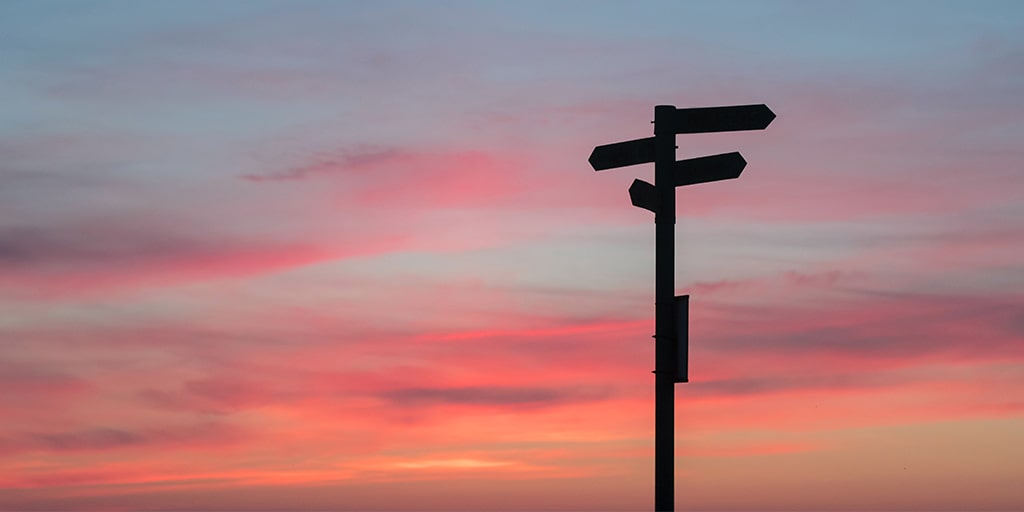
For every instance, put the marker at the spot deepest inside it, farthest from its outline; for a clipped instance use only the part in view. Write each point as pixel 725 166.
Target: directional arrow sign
pixel 726 166
pixel 621 154
pixel 642 195
pixel 722 119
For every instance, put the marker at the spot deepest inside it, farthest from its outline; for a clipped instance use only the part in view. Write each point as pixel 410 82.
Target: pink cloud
pixel 467 390
pixel 28 386
pixel 347 161
pixel 324 384
pixel 747 449
pixel 214 395
pixel 407 180
pixel 95 260
pixel 104 439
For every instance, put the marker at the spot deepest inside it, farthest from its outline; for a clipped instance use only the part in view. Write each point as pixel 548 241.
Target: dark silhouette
pixel 670 312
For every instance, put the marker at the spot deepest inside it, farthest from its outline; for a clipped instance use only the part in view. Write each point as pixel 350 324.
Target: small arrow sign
pixel 726 166
pixel 722 119
pixel 622 154
pixel 642 195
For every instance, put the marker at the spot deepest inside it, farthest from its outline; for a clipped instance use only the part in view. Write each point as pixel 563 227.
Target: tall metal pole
pixel 664 318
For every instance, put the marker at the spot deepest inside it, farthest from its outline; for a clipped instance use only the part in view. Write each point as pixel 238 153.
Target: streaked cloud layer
pixel 350 256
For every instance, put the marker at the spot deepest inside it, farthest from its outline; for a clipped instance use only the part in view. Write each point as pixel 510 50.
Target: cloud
pixel 790 281
pixel 404 179
pixel 492 396
pixel 198 436
pixel 90 439
pixel 787 383
pixel 749 449
pixel 101 256
pixel 21 379
pixel 220 394
pixel 893 326
pixel 24 248
pixel 451 464
pixel 351 160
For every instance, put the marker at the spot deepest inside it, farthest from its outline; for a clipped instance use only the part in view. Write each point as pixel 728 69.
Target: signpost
pixel 670 312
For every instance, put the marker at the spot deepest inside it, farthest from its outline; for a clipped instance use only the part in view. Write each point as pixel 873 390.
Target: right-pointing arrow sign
pixel 722 119
pixel 726 166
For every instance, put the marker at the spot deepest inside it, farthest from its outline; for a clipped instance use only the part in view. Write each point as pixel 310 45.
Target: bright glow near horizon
pixel 351 256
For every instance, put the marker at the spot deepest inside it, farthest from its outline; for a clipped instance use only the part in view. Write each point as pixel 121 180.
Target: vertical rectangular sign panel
pixel 682 303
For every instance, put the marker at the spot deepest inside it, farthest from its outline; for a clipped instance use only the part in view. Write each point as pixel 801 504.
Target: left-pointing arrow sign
pixel 621 154
pixel 726 166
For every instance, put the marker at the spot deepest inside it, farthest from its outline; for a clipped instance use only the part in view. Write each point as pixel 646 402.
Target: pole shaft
pixel 664 321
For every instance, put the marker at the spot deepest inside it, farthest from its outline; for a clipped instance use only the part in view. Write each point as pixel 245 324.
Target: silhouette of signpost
pixel 670 312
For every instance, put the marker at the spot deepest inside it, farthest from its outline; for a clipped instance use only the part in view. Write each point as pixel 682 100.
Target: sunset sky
pixel 349 256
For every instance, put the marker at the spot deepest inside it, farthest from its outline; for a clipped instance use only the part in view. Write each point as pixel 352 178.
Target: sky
pixel 342 256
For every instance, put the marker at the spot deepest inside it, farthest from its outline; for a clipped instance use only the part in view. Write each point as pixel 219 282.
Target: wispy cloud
pixel 355 160
pixel 111 439
pixel 491 396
